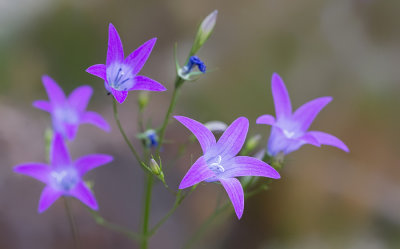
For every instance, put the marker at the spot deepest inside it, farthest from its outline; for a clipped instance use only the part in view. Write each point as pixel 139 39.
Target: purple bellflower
pixel 62 176
pixel 68 113
pixel 289 130
pixel 220 163
pixel 119 73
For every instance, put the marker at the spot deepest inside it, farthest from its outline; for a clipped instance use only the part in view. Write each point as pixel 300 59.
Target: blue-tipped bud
pixel 194 61
pixel 149 138
pixel 152 138
pixel 186 72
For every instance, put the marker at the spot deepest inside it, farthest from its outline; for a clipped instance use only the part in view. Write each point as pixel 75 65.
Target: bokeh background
pixel 347 49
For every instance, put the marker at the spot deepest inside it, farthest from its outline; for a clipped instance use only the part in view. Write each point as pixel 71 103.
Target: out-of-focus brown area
pixel 347 49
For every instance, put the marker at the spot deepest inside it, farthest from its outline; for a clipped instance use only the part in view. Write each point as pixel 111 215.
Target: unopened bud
pixel 208 23
pixel 143 100
pixel 251 144
pixel 155 168
pixel 216 126
pixel 204 31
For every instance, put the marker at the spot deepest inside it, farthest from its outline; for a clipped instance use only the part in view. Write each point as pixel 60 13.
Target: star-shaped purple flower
pixel 119 74
pixel 220 163
pixel 289 130
pixel 63 176
pixel 68 113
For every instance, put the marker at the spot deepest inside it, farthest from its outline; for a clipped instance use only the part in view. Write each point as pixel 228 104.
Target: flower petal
pixel 283 107
pixel 47 198
pixel 138 57
pixel 235 193
pixel 39 171
pixel 42 105
pixel 328 139
pixel 89 162
pixel 120 96
pixel 233 138
pixel 95 119
pixel 249 166
pixel 54 91
pixel 71 130
pixel 98 70
pixel 306 113
pixel 197 173
pixel 59 155
pixel 147 84
pixel 79 98
pixel 115 52
pixel 203 135
pixel 83 193
pixel 266 119
pixel 308 138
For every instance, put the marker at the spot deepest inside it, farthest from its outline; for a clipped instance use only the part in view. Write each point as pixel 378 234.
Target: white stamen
pixel 288 134
pixel 217 166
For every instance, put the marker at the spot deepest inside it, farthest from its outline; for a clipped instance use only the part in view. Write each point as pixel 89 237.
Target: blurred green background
pixel 347 49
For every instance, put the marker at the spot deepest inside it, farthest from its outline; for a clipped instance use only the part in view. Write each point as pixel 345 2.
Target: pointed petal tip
pixel 275 75
pixel 111 26
pixel 45 77
pixel 266 119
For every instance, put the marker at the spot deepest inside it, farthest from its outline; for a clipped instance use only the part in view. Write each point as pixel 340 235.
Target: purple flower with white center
pixel 220 163
pixel 68 113
pixel 289 130
pixel 119 73
pixel 63 177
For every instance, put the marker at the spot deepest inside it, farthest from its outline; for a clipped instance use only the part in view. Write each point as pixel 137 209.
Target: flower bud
pixel 143 100
pixel 251 144
pixel 204 31
pixel 155 168
pixel 216 126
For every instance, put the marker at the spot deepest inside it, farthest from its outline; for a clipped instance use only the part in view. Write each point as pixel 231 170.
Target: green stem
pixel 178 83
pixel 114 227
pixel 146 211
pixel 140 121
pixel 121 130
pixel 74 229
pixel 177 203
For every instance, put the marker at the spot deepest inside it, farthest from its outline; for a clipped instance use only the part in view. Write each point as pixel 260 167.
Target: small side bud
pixel 216 126
pixel 143 100
pixel 155 168
pixel 251 144
pixel 204 31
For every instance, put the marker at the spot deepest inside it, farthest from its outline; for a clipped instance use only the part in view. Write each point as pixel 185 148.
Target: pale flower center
pixel 66 115
pixel 65 179
pixel 119 77
pixel 288 134
pixel 216 165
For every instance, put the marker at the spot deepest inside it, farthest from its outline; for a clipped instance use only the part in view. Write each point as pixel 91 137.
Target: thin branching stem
pixel 114 227
pixel 146 211
pixel 121 130
pixel 72 223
